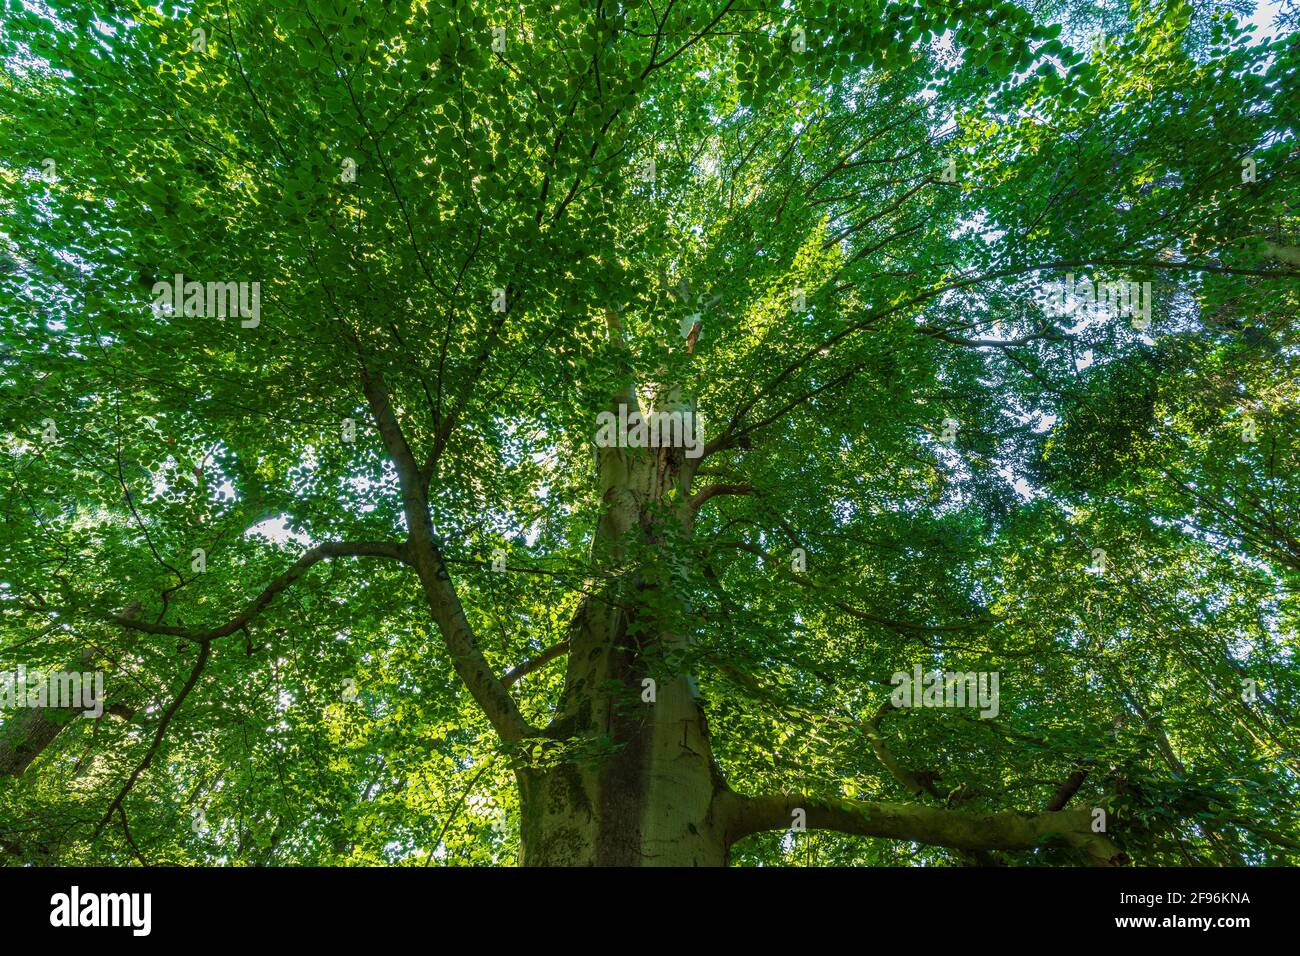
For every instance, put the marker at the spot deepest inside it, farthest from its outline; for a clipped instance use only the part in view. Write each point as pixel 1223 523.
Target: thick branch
pixel 533 663
pixel 423 553
pixel 912 783
pixel 709 491
pixel 956 829
pixel 1067 790
pixel 488 690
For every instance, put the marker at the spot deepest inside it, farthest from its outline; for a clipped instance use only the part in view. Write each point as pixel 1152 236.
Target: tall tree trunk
pixel 636 783
pixel 647 800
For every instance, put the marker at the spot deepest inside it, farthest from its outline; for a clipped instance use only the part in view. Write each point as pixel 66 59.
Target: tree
pixel 336 337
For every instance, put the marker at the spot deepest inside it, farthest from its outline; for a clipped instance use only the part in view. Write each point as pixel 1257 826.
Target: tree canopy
pixel 331 548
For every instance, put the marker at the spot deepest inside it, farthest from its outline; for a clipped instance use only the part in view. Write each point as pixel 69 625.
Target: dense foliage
pixel 829 227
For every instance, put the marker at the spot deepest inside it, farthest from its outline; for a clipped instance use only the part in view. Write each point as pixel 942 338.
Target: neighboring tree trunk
pixel 25 735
